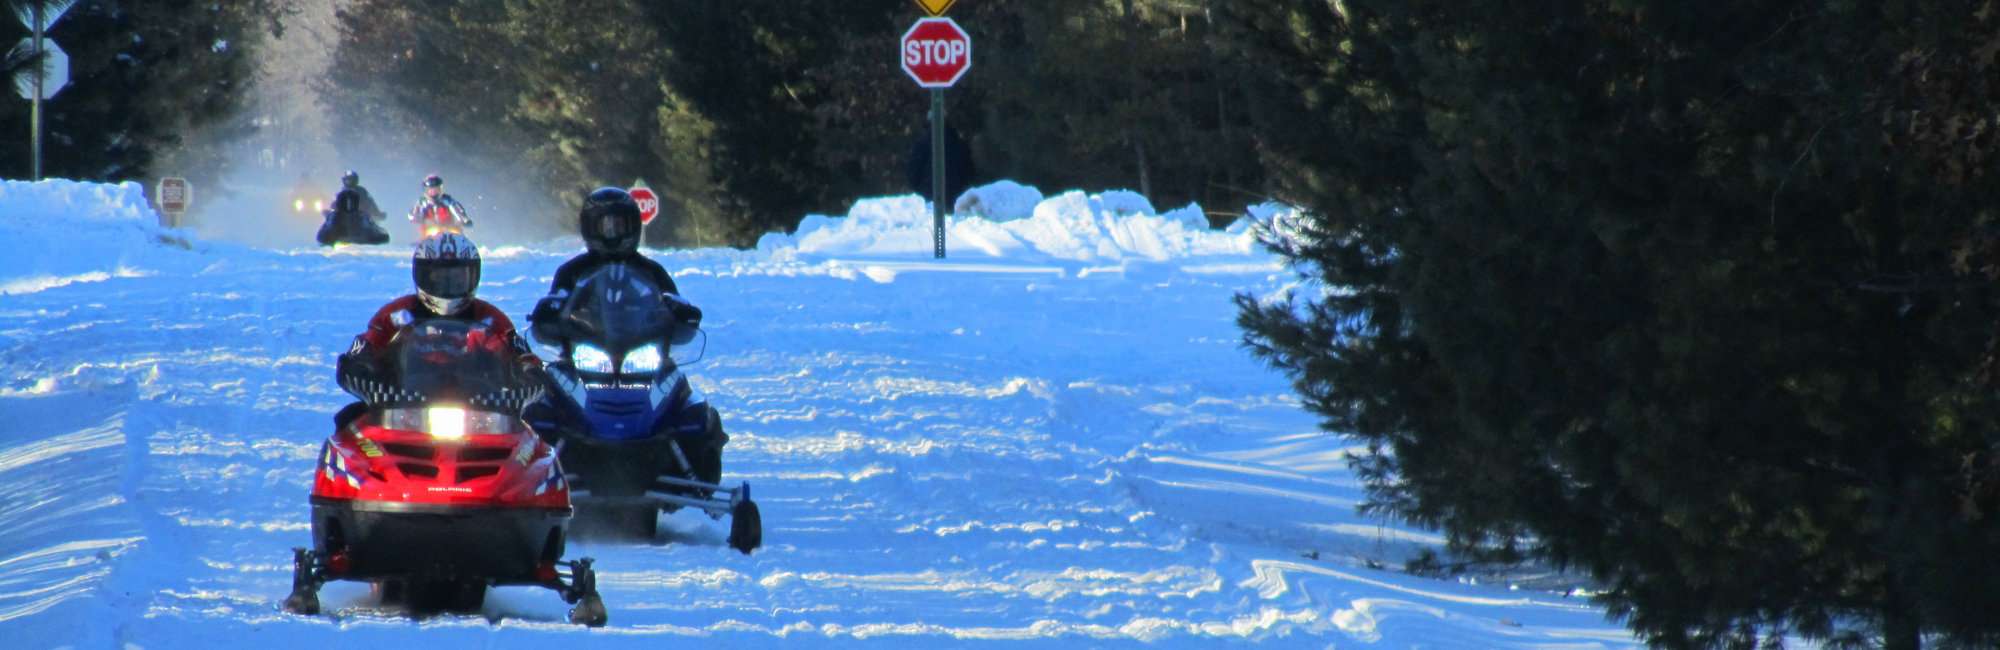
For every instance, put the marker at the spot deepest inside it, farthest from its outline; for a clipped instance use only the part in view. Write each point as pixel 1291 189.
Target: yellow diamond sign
pixel 936 7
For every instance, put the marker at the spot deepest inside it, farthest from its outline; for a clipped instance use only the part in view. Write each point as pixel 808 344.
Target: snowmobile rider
pixel 446 269
pixel 353 203
pixel 610 225
pixel 438 207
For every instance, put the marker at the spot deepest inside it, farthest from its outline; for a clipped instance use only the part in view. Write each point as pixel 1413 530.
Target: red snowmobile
pixel 433 488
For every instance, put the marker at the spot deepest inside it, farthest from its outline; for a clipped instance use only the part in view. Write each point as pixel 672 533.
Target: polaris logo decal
pixel 454 488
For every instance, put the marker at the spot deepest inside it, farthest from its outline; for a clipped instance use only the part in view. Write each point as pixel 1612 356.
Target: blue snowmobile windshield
pixel 619 310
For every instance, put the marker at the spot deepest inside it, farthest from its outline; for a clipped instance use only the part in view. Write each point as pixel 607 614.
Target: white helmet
pixel 446 269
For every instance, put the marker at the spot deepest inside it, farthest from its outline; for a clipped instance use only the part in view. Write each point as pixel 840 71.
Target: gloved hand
pixel 687 318
pixel 528 370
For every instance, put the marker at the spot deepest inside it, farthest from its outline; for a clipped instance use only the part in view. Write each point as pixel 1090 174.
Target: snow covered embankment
pixel 61 232
pixel 1008 227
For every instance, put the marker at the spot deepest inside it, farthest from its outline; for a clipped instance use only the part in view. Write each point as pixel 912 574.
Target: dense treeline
pixel 155 87
pixel 750 114
pixel 1696 297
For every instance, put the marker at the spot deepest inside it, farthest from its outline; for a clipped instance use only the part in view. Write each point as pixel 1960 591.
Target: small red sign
pixel 174 195
pixel 936 52
pixel 649 203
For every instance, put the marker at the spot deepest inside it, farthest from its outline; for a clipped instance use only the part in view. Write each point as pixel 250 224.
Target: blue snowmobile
pixel 634 438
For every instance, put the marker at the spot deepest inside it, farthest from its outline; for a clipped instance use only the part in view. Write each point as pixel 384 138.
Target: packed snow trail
pixel 1064 448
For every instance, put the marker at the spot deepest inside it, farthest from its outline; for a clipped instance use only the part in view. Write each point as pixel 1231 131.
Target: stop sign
pixel 649 203
pixel 936 52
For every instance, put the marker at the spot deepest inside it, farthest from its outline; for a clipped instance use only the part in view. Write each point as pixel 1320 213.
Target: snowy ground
pixel 1052 437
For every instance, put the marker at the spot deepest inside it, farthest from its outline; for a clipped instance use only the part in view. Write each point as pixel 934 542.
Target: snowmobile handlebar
pixel 554 322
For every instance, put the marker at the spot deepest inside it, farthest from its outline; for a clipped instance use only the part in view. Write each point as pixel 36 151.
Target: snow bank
pixel 62 232
pixel 67 232
pixel 1001 201
pixel 1110 227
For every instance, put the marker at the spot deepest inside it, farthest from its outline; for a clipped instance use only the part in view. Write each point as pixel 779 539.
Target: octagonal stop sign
pixel 936 52
pixel 649 203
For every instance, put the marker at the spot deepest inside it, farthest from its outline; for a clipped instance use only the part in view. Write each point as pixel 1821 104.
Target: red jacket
pixel 402 311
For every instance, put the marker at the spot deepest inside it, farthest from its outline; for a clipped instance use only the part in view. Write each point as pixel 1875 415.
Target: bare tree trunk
pixel 1138 139
pixel 1900 628
pixel 1145 174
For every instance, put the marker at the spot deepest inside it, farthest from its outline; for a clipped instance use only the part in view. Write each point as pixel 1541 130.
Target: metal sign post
pixel 937 171
pixel 35 114
pixel 48 59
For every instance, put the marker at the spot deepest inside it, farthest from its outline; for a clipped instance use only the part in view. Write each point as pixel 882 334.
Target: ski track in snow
pixel 944 456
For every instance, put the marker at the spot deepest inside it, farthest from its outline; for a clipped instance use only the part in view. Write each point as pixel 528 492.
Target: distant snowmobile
pixel 354 230
pixel 437 212
pixel 352 217
pixel 433 489
pixel 631 431
pixel 305 202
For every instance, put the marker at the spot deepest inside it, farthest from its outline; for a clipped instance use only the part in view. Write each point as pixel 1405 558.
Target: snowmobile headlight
pixel 445 422
pixel 590 358
pixel 298 205
pixel 318 205
pixel 644 359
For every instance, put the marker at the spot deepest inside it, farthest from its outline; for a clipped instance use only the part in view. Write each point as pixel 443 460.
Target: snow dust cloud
pixel 276 175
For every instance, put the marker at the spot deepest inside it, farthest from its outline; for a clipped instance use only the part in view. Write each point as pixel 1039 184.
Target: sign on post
pixel 54 69
pixel 649 202
pixel 174 195
pixel 936 52
pixel 37 15
pixel 936 7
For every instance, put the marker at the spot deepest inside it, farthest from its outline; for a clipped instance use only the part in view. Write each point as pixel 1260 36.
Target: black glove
pixel 545 322
pixel 359 372
pixel 687 318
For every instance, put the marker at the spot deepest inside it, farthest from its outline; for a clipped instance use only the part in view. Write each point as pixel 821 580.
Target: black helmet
pixel 610 221
pixel 446 268
pixel 350 179
pixel 433 180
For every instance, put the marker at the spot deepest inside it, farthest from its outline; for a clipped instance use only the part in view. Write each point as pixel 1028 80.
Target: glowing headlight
pixel 298 205
pixel 318 205
pixel 644 359
pixel 589 358
pixel 445 422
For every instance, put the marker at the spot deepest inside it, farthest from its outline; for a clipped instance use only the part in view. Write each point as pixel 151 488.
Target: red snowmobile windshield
pixel 449 360
pixel 448 278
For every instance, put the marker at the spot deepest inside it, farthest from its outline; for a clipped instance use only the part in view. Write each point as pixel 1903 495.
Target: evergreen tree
pixel 1113 93
pixel 1669 293
pixel 770 112
pixel 155 87
pixel 429 86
